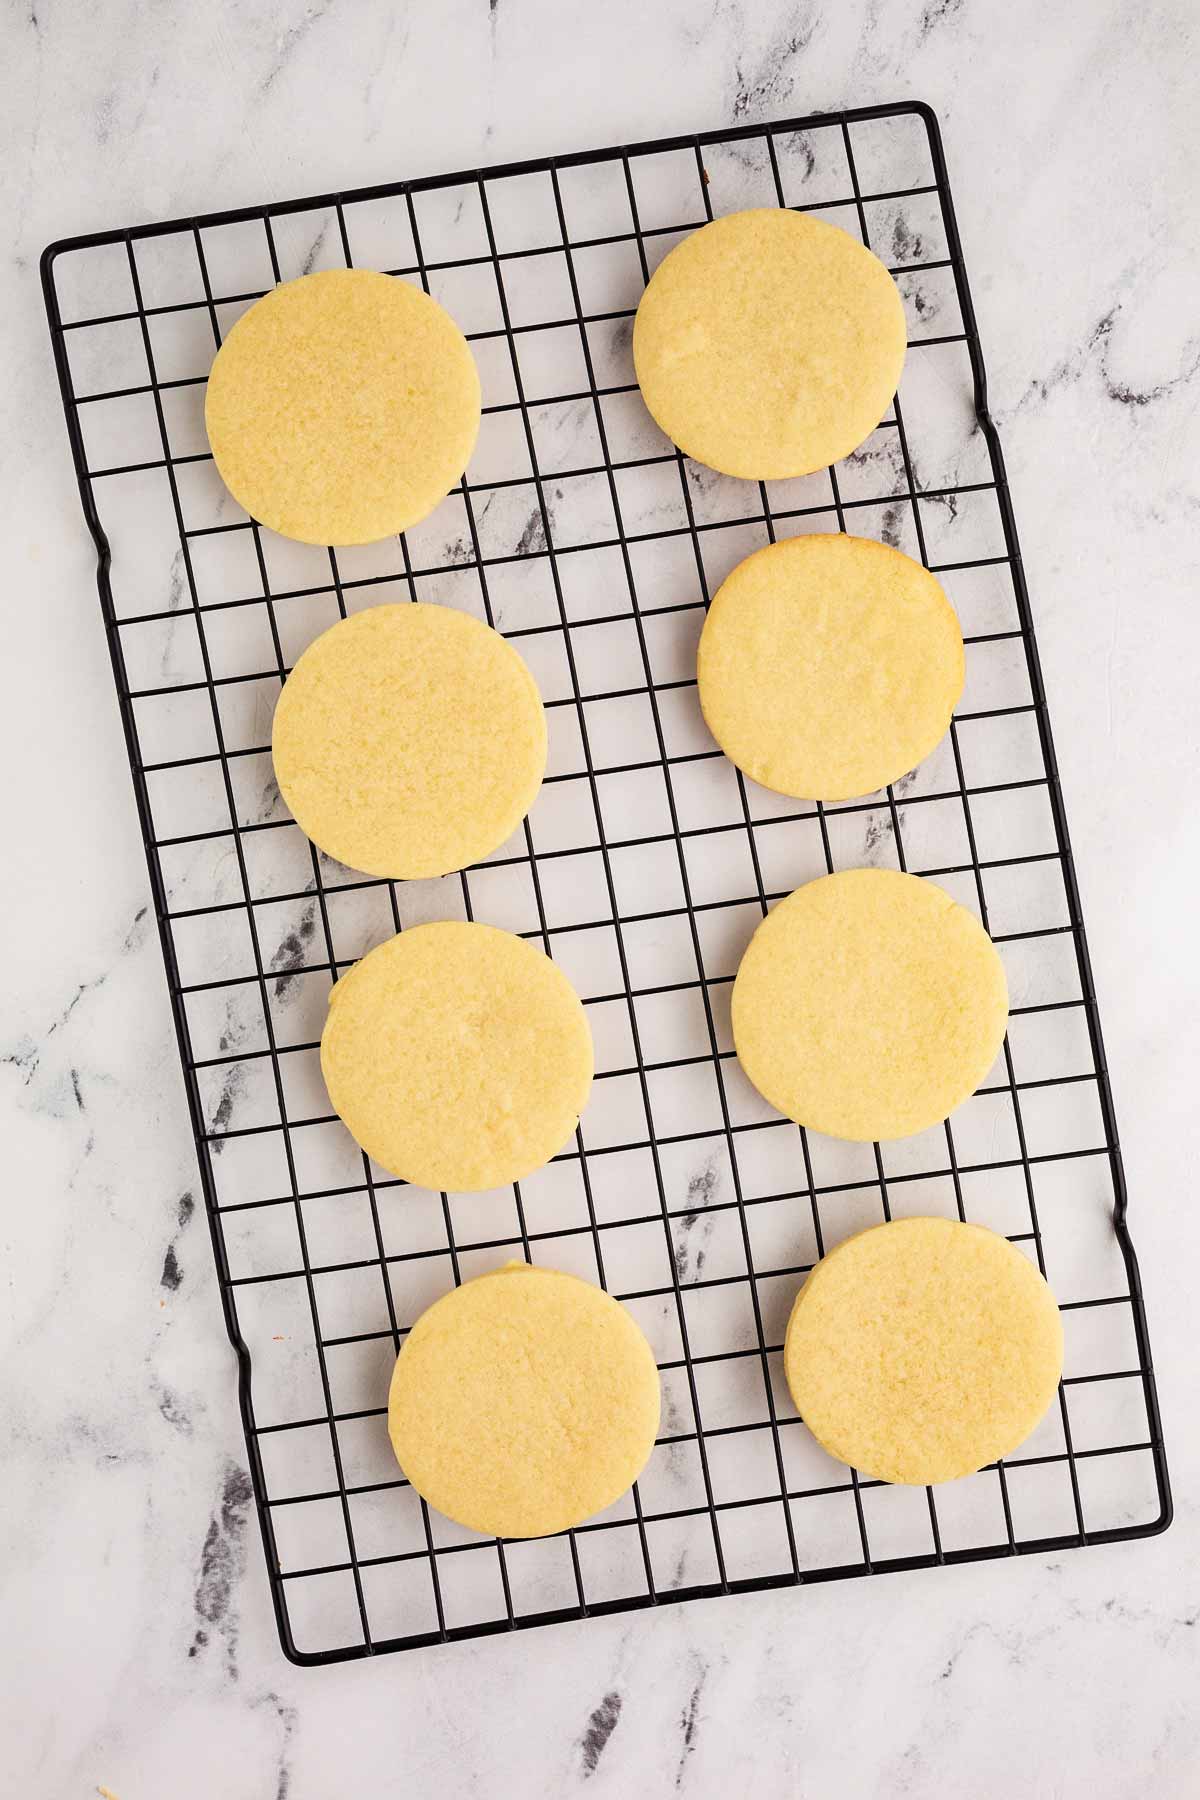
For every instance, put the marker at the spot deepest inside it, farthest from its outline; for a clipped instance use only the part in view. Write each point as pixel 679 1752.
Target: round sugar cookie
pixel 829 666
pixel 409 740
pixel 769 344
pixel 869 1005
pixel 457 1056
pixel 342 407
pixel 523 1402
pixel 921 1350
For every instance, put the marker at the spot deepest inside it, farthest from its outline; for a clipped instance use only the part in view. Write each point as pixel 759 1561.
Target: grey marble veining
pixel 143 1656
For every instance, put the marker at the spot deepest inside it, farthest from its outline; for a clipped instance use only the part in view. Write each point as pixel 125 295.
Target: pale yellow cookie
pixel 769 344
pixel 868 1005
pixel 342 407
pixel 921 1350
pixel 829 666
pixel 457 1056
pixel 523 1402
pixel 409 740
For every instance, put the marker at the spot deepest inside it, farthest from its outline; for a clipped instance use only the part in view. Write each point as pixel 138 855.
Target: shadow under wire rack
pixel 587 539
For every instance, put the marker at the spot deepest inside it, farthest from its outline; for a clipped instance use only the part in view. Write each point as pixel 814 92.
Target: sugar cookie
pixel 869 1005
pixel 829 666
pixel 342 407
pixel 769 344
pixel 457 1055
pixel 409 740
pixel 523 1402
pixel 920 1350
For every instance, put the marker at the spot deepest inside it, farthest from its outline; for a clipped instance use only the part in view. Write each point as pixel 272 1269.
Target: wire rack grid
pixel 592 543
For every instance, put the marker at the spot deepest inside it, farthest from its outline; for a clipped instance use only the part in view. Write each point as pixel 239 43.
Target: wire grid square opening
pixel 646 863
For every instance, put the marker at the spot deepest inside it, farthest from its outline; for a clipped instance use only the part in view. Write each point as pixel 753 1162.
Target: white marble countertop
pixel 142 1657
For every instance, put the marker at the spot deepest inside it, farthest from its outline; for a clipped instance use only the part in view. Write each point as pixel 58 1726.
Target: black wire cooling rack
pixel 647 861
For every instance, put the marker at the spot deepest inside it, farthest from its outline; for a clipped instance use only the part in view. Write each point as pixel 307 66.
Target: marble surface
pixel 142 1657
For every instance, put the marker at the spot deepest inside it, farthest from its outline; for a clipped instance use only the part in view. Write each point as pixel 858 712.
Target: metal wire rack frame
pixel 667 1564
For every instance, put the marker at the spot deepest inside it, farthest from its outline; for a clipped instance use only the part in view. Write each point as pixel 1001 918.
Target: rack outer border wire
pixel 544 165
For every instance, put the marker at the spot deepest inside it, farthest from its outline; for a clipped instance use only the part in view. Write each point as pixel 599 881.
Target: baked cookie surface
pixel 869 1005
pixel 920 1350
pixel 342 407
pixel 457 1056
pixel 829 666
pixel 523 1402
pixel 769 344
pixel 409 740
